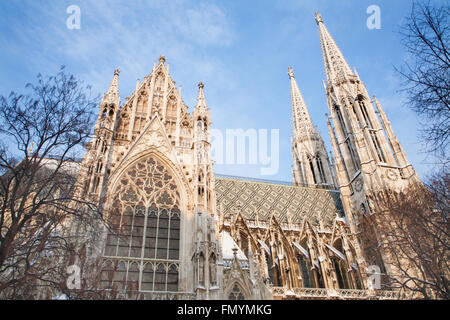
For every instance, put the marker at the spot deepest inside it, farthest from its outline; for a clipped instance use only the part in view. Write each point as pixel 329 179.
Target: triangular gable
pixel 152 137
pixel 240 219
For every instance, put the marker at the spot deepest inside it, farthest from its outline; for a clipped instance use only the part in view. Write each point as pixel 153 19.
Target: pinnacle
pixel 336 66
pixel 201 101
pixel 113 91
pixel 318 18
pixel 291 73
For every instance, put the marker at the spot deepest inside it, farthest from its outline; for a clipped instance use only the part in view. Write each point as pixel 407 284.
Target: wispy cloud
pixel 129 35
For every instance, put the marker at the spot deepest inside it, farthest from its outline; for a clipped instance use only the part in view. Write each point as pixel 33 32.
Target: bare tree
pixel 426 77
pixel 41 134
pixel 413 235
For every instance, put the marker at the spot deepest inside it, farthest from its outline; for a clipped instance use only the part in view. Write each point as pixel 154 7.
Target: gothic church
pixel 184 233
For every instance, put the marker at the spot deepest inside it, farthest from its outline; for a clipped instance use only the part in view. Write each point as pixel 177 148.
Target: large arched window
pixel 145 219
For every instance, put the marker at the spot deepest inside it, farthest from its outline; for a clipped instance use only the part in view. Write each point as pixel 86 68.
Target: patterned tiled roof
pixel 244 195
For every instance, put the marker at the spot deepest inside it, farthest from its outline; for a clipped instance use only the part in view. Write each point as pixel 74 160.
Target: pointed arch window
pixel 377 145
pixel 353 156
pixel 236 293
pixel 105 111
pixel 244 243
pixel 305 268
pixel 311 167
pixel 201 269
pixel 341 273
pixel 362 106
pixel 273 269
pixel 341 120
pixel 317 270
pixel 212 270
pixel 145 219
pixel 320 169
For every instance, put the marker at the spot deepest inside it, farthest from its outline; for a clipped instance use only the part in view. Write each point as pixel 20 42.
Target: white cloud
pixel 126 35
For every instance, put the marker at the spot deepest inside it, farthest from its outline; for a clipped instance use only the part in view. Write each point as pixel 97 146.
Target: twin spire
pixel 300 115
pixel 336 68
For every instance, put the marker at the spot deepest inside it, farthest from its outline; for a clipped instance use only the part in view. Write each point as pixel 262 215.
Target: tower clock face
pixel 391 174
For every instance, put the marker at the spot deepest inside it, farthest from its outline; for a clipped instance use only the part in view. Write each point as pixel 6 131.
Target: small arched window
pixel 236 293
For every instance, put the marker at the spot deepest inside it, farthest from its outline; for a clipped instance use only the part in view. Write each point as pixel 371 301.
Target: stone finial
pixel 235 250
pixel 162 59
pixel 291 73
pixel 201 85
pixel 318 18
pixel 116 72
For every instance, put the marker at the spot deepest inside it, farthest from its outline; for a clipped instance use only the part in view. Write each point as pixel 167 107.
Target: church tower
pixel 203 163
pixel 311 162
pixel 367 155
pixel 206 253
pixel 99 150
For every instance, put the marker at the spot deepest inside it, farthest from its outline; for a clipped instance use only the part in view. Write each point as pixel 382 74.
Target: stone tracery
pixel 145 214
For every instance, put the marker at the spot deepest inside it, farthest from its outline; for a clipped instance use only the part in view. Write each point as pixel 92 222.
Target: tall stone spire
pixel 335 65
pixel 202 156
pixel 99 152
pixel 112 95
pixel 201 101
pixel 300 115
pixel 311 162
pixel 368 156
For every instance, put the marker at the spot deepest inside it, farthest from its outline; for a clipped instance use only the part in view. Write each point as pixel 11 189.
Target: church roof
pixel 245 195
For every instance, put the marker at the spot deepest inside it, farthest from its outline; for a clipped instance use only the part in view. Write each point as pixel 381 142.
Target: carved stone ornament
pixel 391 174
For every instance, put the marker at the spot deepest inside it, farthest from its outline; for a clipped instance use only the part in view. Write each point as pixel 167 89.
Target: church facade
pixel 178 231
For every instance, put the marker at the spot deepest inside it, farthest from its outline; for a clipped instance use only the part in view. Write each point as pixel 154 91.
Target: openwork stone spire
pixel 300 115
pixel 336 67
pixel 112 95
pixel 311 162
pixel 201 101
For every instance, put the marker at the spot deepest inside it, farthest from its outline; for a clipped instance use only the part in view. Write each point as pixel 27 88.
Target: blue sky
pixel 240 49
